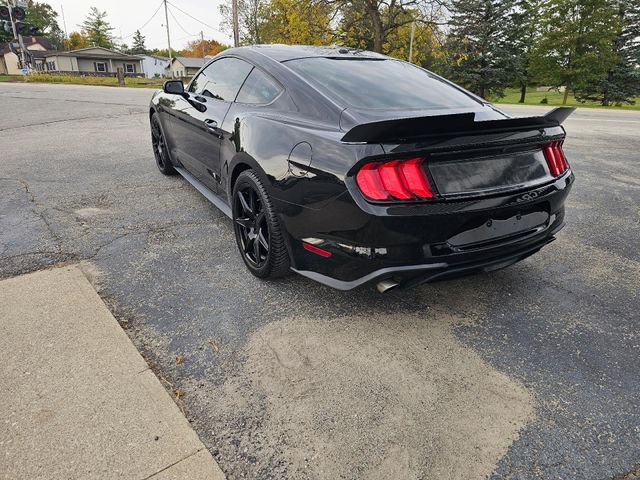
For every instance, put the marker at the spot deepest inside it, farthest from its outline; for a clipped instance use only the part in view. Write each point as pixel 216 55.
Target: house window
pixel 101 66
pixel 51 66
pixel 129 68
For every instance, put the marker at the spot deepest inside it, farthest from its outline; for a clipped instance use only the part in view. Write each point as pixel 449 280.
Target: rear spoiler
pixel 457 124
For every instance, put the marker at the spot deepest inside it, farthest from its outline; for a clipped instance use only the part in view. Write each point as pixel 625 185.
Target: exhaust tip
pixel 386 285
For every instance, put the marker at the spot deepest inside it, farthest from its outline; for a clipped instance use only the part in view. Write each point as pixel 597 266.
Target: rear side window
pixel 380 84
pixel 222 79
pixel 258 89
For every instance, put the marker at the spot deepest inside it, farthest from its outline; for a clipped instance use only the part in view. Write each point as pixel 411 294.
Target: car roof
pixel 282 53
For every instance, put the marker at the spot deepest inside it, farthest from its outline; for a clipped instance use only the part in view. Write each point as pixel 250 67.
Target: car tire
pixel 160 149
pixel 259 237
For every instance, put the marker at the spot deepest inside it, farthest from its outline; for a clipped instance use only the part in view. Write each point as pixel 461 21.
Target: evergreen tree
pixel 479 54
pixel 97 29
pixel 138 46
pixel 622 80
pixel 522 33
pixel 575 47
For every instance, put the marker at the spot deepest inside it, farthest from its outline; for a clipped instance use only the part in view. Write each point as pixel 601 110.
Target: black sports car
pixel 348 166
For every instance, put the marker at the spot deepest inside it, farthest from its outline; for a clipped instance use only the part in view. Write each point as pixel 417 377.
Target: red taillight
pixel 415 178
pixel 370 183
pixel 394 180
pixel 555 158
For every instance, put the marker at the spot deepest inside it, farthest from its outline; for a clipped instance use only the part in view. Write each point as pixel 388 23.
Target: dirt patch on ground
pixel 378 398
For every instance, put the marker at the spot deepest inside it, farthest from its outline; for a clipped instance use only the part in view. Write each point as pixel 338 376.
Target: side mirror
pixel 174 87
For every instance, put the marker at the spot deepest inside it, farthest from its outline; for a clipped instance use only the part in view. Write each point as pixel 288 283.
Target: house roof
pixel 41 53
pixel 43 41
pixel 99 53
pixel 157 57
pixel 28 42
pixel 190 62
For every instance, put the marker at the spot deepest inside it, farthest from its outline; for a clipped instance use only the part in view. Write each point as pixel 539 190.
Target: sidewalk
pixel 78 400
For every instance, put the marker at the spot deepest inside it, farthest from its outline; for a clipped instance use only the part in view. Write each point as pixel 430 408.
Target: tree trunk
pixel 566 95
pixel 376 21
pixel 605 93
pixel 523 91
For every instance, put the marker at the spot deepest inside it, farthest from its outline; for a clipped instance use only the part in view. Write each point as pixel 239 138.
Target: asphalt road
pixel 528 372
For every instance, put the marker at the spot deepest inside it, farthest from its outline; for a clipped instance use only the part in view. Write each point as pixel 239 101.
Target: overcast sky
pixel 128 15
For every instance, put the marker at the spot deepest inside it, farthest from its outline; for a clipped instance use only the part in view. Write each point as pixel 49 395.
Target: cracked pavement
pixel 528 372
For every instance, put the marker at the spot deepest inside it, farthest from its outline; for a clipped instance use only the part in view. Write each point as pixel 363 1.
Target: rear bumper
pixel 422 244
pixel 413 275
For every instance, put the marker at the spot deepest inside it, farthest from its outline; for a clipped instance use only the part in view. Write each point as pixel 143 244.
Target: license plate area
pixel 495 231
pixel 462 177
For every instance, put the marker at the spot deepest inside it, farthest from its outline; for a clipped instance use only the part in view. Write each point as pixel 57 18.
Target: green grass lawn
pixel 76 80
pixel 554 98
pixel 11 78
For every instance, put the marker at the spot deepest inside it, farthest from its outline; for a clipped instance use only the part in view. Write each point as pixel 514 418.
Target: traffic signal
pixel 18 14
pixel 6 26
pixel 26 29
pixel 4 13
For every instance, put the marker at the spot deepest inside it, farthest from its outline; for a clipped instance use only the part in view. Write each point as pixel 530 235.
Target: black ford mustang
pixel 348 167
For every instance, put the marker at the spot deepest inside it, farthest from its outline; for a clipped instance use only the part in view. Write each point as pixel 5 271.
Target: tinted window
pixel 384 84
pixel 222 79
pixel 258 88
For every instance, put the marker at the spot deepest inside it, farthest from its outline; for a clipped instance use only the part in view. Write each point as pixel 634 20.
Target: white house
pixel 154 66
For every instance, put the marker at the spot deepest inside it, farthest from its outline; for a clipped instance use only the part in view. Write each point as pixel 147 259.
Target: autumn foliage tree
pixel 202 48
pixel 76 40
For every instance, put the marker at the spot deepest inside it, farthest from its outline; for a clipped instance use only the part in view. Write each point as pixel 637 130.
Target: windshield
pixel 380 84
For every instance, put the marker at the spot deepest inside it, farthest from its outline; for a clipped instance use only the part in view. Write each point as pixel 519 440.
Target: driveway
pixel 528 372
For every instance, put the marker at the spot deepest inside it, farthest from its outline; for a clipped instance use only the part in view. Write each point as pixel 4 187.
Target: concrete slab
pixel 78 399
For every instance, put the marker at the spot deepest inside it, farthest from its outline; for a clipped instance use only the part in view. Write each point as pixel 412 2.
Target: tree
pixel 43 16
pixel 76 40
pixel 479 55
pixel 622 80
pixel 251 18
pixel 306 22
pixel 575 47
pixel 522 33
pixel 159 52
pixel 138 46
pixel 372 21
pixel 355 28
pixel 97 29
pixel 201 48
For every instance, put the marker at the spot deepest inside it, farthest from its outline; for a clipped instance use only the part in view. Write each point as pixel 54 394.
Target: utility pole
pixel 236 28
pixel 413 31
pixel 17 36
pixel 166 21
pixel 202 42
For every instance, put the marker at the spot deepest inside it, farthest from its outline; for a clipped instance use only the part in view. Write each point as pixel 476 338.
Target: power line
pixel 178 23
pixel 147 22
pixel 194 18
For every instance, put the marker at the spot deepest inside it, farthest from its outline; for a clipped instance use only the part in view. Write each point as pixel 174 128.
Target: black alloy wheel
pixel 160 150
pixel 257 230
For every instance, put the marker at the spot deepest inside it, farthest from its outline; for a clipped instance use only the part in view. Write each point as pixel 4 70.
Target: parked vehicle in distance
pixel 350 167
